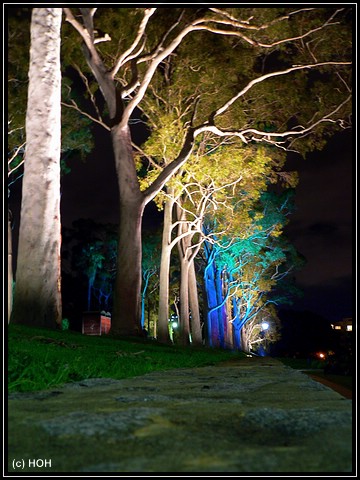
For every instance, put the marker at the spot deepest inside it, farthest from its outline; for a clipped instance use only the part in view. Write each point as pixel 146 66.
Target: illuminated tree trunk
pixel 196 335
pixel 229 338
pixel 236 321
pixel 37 299
pixel 126 315
pixel 163 317
pixel 188 287
pixel 209 285
pixel 184 302
pixel 237 338
pixel 220 309
pixel 245 339
pixel 126 318
pixel 183 246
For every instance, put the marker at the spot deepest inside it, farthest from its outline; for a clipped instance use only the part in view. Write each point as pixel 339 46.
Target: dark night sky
pixel 321 227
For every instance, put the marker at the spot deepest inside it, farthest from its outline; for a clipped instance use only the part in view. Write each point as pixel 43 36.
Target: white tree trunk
pixel 163 317
pixel 196 335
pixel 184 302
pixel 183 249
pixel 37 299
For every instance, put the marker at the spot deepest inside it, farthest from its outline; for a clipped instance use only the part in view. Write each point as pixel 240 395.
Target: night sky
pixel 321 227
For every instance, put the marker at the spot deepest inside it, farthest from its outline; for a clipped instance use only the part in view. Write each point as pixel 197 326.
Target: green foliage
pixel 41 359
pixel 65 324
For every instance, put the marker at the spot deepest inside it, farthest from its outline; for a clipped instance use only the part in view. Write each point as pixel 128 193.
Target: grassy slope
pixel 40 358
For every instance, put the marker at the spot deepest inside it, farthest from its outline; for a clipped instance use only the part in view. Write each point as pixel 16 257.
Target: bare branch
pixel 86 35
pixel 88 89
pixel 125 56
pixel 302 130
pixel 245 25
pixel 105 82
pixel 149 159
pixel 171 168
pixel 151 71
pixel 76 107
pixel 262 78
pixel 104 38
pixel 10 132
pixel 12 158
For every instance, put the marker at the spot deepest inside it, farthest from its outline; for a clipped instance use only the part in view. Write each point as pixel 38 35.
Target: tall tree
pixel 73 140
pixel 37 298
pixel 281 48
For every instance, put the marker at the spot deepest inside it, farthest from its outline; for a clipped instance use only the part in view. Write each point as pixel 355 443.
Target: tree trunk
pixel 236 322
pixel 184 302
pixel 220 310
pixel 196 335
pixel 209 284
pixel 244 339
pixel 163 334
pixel 229 336
pixel 37 299
pixel 183 249
pixel 126 318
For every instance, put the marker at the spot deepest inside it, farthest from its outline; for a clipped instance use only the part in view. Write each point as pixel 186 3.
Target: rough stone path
pixel 255 415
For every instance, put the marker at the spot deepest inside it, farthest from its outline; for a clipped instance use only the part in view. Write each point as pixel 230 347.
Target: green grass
pixel 40 359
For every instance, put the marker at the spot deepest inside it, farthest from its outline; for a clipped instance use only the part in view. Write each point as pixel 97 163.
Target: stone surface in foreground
pixel 256 415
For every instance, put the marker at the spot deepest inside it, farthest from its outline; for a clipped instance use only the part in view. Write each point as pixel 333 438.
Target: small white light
pixel 265 325
pixel 174 324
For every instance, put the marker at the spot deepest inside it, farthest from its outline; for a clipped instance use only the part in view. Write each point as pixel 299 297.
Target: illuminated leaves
pixel 255 261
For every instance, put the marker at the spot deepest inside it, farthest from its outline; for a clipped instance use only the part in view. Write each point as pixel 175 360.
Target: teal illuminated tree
pixel 244 275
